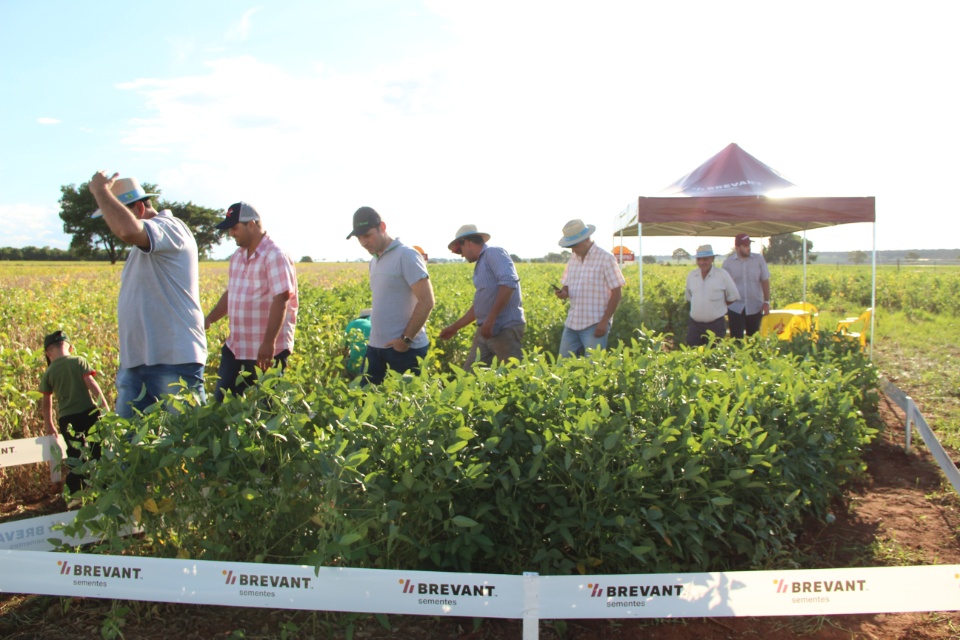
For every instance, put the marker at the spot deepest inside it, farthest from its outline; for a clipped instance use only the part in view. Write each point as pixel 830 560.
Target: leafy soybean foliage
pixel 637 459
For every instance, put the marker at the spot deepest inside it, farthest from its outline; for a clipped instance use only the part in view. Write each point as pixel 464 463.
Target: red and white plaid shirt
pixel 589 282
pixel 252 284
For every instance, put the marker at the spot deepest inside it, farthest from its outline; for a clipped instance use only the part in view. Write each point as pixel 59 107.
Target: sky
pixel 514 116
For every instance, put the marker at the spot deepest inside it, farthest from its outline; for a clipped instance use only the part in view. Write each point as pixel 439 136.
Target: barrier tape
pixel 29 567
pixel 34 534
pixel 530 597
pixel 29 450
pixel 914 416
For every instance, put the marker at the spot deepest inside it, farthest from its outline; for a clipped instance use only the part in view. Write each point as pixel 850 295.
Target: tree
pixel 516 259
pixel 202 221
pixel 912 255
pixel 787 248
pixel 92 235
pixel 857 257
pixel 89 234
pixel 681 254
pixel 306 260
pixel 649 259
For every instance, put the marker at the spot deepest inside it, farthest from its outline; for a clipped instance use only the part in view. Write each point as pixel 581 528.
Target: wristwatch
pixel 406 340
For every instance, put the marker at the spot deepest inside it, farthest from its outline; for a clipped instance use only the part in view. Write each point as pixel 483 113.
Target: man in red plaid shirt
pixel 260 301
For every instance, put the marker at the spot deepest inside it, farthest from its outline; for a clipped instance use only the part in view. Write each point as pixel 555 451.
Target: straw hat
pixel 575 232
pixel 705 251
pixel 467 230
pixel 128 191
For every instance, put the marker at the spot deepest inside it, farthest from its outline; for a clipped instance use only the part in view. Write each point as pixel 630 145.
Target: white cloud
pixel 31 225
pixel 241 30
pixel 535 115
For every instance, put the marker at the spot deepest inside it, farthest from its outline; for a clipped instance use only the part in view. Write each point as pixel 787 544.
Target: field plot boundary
pixel 914 417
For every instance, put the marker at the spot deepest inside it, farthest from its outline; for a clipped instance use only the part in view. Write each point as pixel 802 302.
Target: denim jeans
pixel 378 360
pixel 575 342
pixel 139 387
pixel 230 369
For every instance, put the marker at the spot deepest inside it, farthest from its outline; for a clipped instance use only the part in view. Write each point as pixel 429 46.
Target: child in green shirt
pixel 71 380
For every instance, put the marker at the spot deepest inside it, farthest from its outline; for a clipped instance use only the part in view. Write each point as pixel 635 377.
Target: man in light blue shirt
pixel 497 303
pixel 752 277
pixel 402 299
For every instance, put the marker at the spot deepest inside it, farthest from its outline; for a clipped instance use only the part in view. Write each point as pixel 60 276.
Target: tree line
pixel 786 248
pixel 91 238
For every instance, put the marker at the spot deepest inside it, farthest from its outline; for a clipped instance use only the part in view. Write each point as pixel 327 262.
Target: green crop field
pixel 646 457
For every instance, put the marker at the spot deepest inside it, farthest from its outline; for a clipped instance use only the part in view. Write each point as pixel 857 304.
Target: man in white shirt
pixel 709 291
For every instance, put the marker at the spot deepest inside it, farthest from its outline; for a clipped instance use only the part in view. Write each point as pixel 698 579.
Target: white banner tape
pixel 29 450
pixel 35 534
pixel 929 437
pixel 752 593
pixel 726 594
pixel 260 585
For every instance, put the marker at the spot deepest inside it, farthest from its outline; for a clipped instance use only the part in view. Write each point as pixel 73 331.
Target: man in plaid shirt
pixel 260 300
pixel 593 283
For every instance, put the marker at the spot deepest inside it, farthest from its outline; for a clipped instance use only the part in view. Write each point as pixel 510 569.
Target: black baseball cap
pixel 364 219
pixel 239 212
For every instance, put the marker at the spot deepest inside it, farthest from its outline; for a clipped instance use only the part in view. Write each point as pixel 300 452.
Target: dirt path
pixel 904 513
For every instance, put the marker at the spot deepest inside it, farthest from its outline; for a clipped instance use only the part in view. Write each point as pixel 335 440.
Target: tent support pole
pixel 640 263
pixel 804 266
pixel 873 290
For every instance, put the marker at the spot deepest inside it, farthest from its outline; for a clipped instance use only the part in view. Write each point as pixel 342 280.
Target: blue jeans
pixel 379 359
pixel 139 387
pixel 575 342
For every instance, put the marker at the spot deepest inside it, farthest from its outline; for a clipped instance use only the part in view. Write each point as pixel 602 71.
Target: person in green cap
pixel 79 399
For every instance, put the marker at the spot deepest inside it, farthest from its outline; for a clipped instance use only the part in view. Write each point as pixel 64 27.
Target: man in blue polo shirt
pixel 402 299
pixel 497 304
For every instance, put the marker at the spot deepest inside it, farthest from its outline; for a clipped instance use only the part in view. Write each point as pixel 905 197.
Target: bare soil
pixel 903 513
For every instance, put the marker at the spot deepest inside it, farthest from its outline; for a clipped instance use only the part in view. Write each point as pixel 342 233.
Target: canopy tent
pixel 726 195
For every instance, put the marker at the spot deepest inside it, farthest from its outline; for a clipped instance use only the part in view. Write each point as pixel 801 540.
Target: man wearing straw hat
pixel 402 299
pixel 497 305
pixel 162 340
pixel 709 291
pixel 593 283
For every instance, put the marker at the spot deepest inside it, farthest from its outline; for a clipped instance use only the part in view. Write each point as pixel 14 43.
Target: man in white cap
pixel 162 340
pixel 593 283
pixel 497 305
pixel 752 277
pixel 260 301
pixel 402 299
pixel 709 291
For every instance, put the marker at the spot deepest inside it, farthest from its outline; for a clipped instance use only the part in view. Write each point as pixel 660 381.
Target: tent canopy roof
pixel 726 195
pixel 758 216
pixel 732 172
